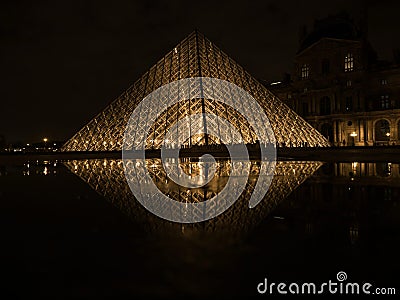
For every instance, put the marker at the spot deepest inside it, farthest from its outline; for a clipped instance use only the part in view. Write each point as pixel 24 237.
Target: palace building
pixel 340 87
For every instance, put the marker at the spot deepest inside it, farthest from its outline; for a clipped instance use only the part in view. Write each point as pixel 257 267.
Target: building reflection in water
pixel 354 198
pixel 31 168
pixel 106 176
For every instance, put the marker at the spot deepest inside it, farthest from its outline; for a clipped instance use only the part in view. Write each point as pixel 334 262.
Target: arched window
pixel 349 62
pixel 382 130
pixel 325 106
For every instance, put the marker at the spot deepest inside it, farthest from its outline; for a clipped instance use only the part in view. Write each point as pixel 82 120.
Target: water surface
pixel 73 228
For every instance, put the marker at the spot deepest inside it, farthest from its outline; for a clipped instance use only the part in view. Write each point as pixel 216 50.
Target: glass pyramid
pixel 194 57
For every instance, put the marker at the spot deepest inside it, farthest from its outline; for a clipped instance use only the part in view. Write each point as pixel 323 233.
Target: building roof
pixel 339 26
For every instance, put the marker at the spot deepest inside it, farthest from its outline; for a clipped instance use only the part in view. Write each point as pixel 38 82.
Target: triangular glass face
pixel 194 57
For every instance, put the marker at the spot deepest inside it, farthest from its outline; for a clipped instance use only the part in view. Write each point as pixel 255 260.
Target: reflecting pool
pixel 73 228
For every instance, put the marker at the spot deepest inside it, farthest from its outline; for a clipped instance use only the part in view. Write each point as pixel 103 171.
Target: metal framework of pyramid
pixel 194 57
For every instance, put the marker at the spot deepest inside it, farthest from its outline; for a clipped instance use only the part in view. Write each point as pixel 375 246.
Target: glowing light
pixel 353 134
pixel 274 83
pixel 354 166
pixel 387 133
pixel 45 140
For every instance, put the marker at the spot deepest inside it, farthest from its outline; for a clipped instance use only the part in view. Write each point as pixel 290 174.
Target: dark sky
pixel 63 61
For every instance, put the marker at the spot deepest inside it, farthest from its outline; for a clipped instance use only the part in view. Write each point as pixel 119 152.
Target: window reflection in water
pixel 34 168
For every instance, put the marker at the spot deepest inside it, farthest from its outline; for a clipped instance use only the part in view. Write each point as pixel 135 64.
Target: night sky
pixel 63 61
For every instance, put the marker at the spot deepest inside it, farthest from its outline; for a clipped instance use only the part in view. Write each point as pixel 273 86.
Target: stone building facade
pixel 340 87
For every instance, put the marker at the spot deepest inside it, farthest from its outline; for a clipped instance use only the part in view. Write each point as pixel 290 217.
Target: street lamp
pixel 45 141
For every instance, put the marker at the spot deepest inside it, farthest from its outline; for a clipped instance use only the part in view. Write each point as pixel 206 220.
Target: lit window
pixel 383 81
pixel 385 104
pixel 349 62
pixel 305 71
pixel 348 83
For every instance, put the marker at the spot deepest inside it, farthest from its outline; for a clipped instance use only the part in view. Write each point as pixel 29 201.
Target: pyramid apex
pixel 195 32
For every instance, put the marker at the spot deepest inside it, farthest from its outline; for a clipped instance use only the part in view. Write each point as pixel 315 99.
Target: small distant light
pixel 274 83
pixel 54 144
pixel 387 133
pixel 27 144
pixel 45 140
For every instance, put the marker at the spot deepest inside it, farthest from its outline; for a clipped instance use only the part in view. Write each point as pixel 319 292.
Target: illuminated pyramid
pixel 194 57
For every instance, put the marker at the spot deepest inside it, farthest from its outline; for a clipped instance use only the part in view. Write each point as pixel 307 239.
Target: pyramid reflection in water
pixel 106 176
